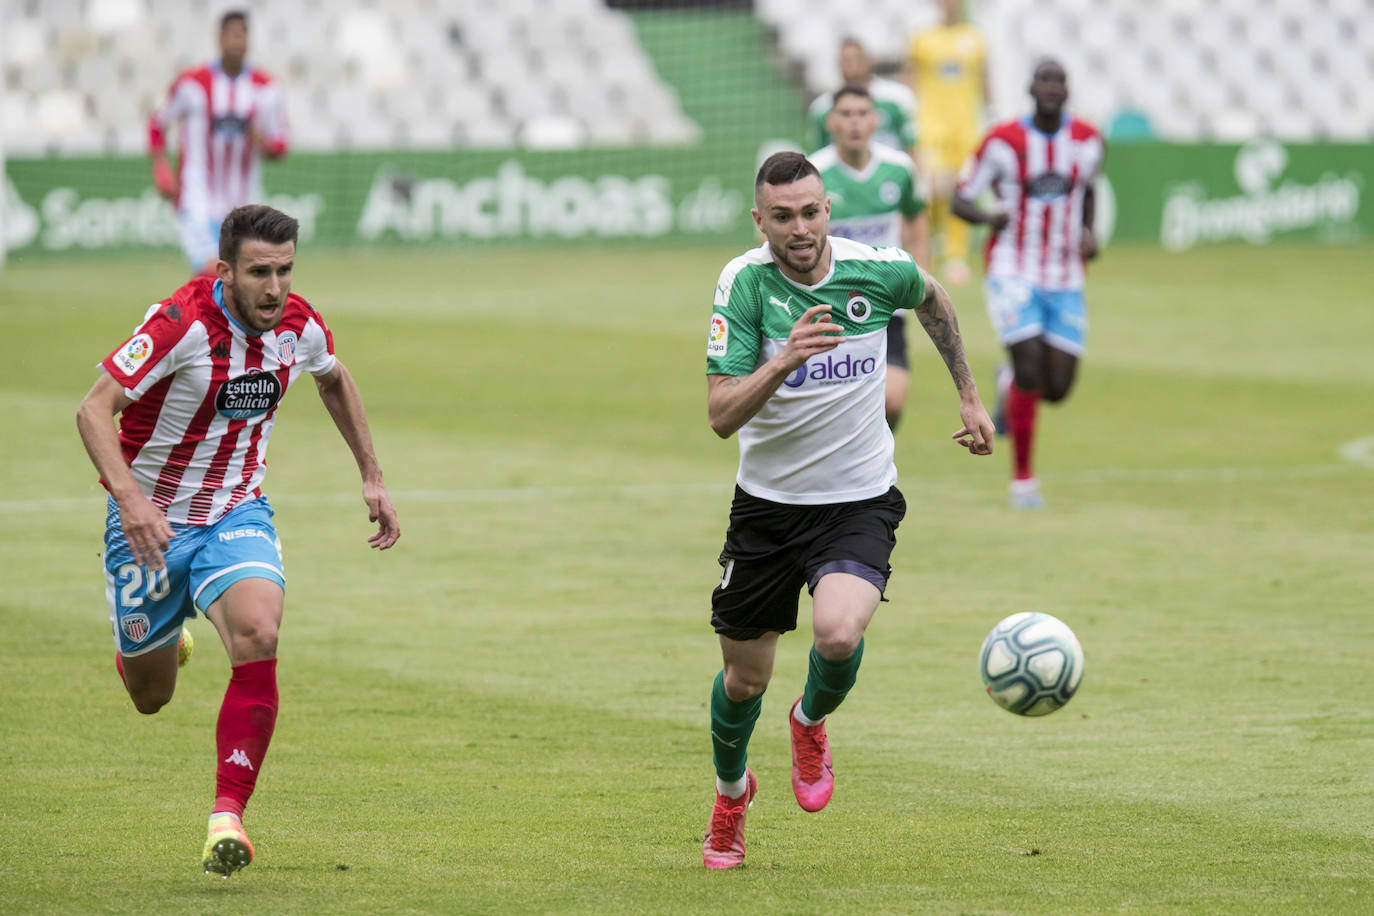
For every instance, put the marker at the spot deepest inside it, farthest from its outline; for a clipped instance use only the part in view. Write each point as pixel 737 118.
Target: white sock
pixel 801 717
pixel 216 814
pixel 732 789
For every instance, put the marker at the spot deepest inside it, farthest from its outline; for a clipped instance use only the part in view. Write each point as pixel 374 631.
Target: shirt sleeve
pixel 982 168
pixel 152 353
pixel 272 119
pixel 911 283
pixel 175 106
pixel 732 342
pixel 816 134
pixel 911 203
pixel 317 344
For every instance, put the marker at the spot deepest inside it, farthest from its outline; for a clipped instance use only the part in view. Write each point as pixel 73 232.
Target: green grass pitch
pixel 507 713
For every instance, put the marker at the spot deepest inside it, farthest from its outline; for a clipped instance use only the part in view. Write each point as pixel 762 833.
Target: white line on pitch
pixel 94 502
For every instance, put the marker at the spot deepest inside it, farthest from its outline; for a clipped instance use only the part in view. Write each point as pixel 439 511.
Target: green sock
pixel 731 725
pixel 827 682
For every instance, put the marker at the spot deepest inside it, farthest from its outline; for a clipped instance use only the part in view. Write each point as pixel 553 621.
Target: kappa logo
pixel 719 337
pixel 173 312
pixel 220 349
pixel 286 347
pixel 134 626
pixel 133 354
pixel 239 758
pixel 785 306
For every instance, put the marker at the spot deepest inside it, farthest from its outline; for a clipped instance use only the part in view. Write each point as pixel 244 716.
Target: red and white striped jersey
pixel 220 167
pixel 1039 180
pixel 205 393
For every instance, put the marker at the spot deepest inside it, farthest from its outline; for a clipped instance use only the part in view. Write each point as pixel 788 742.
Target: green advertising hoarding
pixel 347 199
pixel 1176 195
pixel 1187 195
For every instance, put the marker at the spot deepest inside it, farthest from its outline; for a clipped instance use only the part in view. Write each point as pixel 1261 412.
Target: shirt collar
pixel 218 293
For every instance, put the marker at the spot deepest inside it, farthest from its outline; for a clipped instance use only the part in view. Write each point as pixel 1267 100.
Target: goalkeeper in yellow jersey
pixel 948 66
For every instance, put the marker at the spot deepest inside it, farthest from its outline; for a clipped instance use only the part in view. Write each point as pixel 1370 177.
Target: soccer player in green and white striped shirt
pixel 795 363
pixel 874 199
pixel 894 102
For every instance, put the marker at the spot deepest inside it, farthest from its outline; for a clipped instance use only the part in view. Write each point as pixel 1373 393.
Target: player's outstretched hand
pixel 813 333
pixel 147 530
pixel 1087 244
pixel 977 432
pixel 380 510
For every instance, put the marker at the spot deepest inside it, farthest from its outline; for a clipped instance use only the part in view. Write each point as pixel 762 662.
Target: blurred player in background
pixel 948 65
pixel 794 362
pixel 1042 169
pixel 197 388
pixel 230 115
pixel 874 200
pixel 892 101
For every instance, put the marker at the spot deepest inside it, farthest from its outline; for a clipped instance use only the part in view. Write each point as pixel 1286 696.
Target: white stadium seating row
pixel 81 76
pixel 1223 70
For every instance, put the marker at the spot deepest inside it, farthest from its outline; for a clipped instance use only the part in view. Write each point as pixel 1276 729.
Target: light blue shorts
pixel 1020 312
pixel 147 607
pixel 199 238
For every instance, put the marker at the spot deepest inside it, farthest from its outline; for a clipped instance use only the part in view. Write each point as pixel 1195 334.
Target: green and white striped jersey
pixel 895 104
pixel 870 206
pixel 822 437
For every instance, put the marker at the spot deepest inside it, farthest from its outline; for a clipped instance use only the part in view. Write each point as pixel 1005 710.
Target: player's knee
pixel 838 645
pixel 255 643
pixel 743 684
pixel 1054 394
pixel 150 700
pixel 1025 378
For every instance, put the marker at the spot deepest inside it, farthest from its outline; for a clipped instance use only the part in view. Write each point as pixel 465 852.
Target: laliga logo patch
pixel 134 626
pixel 249 395
pixel 133 353
pixel 858 308
pixel 286 347
pixel 718 337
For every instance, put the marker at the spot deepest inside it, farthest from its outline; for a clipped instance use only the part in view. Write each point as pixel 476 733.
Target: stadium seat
pixel 552 132
pixel 113 15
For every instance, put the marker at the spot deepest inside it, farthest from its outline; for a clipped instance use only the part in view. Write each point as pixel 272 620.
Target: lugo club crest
pixel 248 395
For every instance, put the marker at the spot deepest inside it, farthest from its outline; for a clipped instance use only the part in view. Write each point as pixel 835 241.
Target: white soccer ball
pixel 1031 663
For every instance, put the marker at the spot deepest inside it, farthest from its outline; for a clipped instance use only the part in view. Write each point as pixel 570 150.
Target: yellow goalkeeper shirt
pixel 947 64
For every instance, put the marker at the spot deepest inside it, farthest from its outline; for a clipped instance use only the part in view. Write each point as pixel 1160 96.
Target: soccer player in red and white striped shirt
pixel 1042 170
pixel 197 389
pixel 230 115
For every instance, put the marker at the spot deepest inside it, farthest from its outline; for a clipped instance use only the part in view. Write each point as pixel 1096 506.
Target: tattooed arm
pixel 936 314
pixel 732 400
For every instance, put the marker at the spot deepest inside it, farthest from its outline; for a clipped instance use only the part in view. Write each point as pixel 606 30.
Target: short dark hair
pixel 843 91
pixel 238 16
pixel 255 221
pixel 784 168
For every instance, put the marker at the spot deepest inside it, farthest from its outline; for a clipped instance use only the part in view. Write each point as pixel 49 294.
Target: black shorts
pixel 772 550
pixel 896 342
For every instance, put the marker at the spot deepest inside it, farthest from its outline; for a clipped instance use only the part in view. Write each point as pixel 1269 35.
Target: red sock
pixel 246 720
pixel 1021 424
